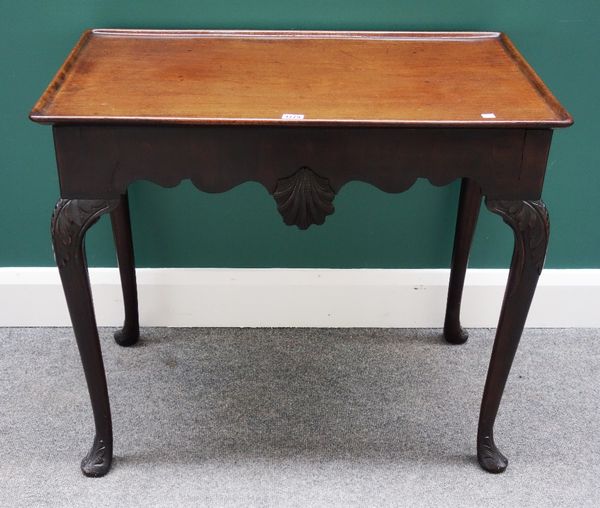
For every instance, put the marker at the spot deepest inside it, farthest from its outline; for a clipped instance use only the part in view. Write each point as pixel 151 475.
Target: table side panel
pixel 101 161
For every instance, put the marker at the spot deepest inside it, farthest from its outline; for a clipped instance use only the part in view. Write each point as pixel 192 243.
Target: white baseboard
pixel 299 297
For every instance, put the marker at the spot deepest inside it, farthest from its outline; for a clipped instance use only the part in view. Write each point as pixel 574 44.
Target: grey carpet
pixel 296 417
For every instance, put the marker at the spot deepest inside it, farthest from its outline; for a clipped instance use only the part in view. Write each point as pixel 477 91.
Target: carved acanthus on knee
pixel 530 222
pixel 70 220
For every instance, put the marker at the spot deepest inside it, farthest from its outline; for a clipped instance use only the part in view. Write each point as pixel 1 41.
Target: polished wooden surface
pixel 354 78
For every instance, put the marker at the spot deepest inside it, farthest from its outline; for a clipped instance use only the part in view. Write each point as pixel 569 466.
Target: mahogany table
pixel 302 113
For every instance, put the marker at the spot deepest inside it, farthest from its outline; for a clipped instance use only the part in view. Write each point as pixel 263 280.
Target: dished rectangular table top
pixel 473 79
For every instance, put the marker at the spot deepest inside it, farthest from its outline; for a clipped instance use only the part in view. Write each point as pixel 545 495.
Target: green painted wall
pixel 184 227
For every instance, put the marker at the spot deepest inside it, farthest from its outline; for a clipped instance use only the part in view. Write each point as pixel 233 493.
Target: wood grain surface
pixel 350 78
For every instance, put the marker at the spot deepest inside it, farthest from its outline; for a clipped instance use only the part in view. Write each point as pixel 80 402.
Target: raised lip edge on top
pixel 564 119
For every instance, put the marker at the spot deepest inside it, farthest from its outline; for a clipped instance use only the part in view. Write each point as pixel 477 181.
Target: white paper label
pixel 292 116
pixel 488 115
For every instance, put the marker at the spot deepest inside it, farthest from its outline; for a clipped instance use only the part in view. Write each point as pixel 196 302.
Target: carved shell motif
pixel 304 198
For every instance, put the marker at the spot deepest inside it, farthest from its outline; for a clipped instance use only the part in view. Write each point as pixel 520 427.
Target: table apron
pixel 100 161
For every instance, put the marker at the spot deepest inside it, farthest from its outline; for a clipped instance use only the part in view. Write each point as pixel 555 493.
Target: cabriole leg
pixel 121 226
pixel 529 222
pixel 468 212
pixel 70 221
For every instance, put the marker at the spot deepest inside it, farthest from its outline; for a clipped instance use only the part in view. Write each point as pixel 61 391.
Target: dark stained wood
pixel 468 212
pixel 351 78
pixel 217 158
pixel 70 221
pixel 530 224
pixel 121 226
pixel 304 198
pixel 383 108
